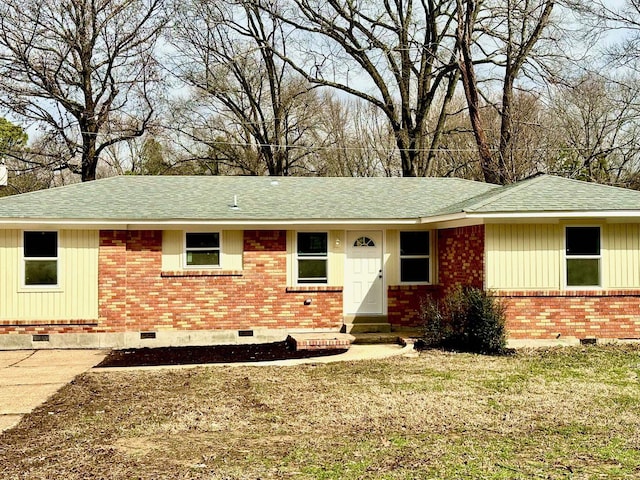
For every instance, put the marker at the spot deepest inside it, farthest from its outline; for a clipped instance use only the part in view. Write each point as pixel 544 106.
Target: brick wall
pixel 460 261
pixel 135 295
pixel 574 314
pixel 461 257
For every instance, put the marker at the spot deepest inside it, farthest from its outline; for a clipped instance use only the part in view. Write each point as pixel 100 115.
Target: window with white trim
pixel 40 253
pixel 583 256
pixel 202 249
pixel 311 257
pixel 415 248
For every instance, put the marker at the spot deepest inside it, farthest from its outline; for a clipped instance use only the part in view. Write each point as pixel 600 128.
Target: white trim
pixel 163 224
pixel 603 214
pixel 429 256
pixel 23 287
pixel 600 285
pixel 296 277
pixel 186 266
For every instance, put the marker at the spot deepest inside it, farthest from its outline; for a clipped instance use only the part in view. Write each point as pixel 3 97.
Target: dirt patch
pixel 259 352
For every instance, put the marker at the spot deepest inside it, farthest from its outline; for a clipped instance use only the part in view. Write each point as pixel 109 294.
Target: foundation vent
pixel 41 338
pixel 588 341
pixel 147 335
pixel 245 333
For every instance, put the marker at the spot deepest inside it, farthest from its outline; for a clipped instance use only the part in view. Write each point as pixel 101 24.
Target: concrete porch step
pixel 400 337
pixel 366 324
pixel 354 328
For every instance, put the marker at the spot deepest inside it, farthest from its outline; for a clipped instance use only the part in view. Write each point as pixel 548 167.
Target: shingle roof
pixel 548 193
pixel 209 198
pixel 259 198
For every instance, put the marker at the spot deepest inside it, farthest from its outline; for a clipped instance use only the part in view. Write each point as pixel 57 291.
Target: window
pixel 40 251
pixel 312 257
pixel 202 249
pixel 583 256
pixel 414 256
pixel 364 242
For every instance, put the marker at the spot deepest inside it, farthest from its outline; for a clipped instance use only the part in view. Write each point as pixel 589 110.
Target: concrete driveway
pixel 29 377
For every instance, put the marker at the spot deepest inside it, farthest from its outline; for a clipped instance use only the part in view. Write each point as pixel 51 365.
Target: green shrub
pixel 467 319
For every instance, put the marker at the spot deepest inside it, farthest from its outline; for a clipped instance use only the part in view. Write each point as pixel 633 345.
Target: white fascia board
pixel 444 218
pixel 177 224
pixel 464 217
pixel 625 214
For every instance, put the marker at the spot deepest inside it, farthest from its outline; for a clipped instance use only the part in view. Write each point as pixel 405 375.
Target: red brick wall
pixel 460 262
pixel 461 257
pixel 577 314
pixel 137 296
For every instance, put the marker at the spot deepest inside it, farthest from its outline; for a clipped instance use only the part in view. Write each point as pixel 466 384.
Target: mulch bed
pixel 259 352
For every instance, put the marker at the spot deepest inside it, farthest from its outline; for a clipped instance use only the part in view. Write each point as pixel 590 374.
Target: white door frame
pixel 379 237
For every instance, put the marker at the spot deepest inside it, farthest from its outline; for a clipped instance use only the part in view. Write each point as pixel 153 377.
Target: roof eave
pixel 167 224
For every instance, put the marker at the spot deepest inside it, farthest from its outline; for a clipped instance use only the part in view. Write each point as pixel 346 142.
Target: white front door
pixel 363 287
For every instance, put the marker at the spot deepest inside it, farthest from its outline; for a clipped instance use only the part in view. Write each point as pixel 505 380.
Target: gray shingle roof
pixel 259 198
pixel 548 193
pixel 162 199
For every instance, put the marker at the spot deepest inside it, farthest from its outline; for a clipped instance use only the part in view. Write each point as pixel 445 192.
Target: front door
pixel 363 273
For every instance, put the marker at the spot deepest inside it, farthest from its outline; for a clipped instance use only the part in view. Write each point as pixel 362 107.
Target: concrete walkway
pixel 29 377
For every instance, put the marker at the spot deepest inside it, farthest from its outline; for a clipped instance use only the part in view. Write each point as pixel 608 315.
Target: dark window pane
pixel 203 257
pixel 312 271
pixel 583 272
pixel 414 243
pixel 40 272
pixel 583 241
pixel 203 240
pixel 40 244
pixel 414 269
pixel 312 243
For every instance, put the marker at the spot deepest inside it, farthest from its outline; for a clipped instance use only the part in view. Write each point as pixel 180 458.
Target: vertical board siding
pixel 523 256
pixel 76 297
pixel 620 256
pixel 232 246
pixel 172 241
pixel 336 253
pixel 392 257
pixel 173 250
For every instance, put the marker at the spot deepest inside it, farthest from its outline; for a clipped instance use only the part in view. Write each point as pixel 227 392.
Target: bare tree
pixel 227 55
pixel 83 69
pixel 359 141
pixel 598 122
pixel 396 55
pixel 511 35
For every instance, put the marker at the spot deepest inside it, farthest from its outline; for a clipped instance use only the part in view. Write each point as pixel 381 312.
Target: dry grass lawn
pixel 558 413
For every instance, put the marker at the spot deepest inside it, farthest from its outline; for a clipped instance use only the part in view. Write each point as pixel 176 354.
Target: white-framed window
pixel 583 256
pixel 311 257
pixel 415 257
pixel 202 249
pixel 40 256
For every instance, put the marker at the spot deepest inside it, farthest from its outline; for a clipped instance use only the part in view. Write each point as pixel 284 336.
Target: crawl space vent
pixel 41 338
pixel 245 333
pixel 147 335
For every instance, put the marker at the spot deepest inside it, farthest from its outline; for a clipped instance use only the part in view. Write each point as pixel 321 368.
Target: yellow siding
pixel 391 257
pixel 524 256
pixel 232 246
pixel 173 250
pixel 76 297
pixel 336 255
pixel 172 245
pixel 620 256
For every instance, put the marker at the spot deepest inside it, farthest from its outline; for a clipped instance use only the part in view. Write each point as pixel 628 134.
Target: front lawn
pixel 558 413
